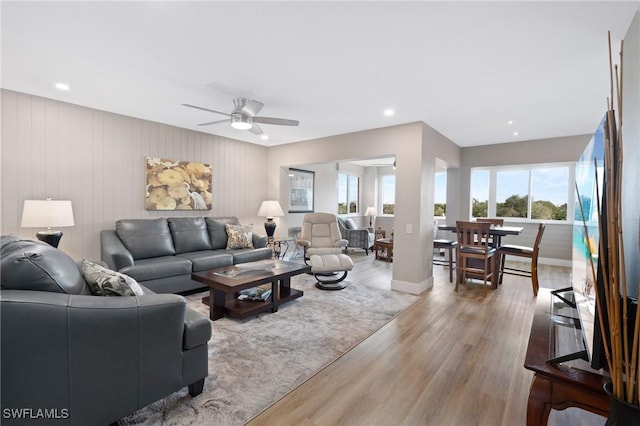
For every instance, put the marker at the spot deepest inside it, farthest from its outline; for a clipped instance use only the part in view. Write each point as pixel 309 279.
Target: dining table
pixel 497 232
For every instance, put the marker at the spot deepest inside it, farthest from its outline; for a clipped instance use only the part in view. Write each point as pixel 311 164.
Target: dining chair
pixel 494 222
pixel 522 251
pixel 450 246
pixel 475 258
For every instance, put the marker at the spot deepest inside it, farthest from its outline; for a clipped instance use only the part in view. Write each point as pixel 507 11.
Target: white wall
pixel 96 160
pixel 631 152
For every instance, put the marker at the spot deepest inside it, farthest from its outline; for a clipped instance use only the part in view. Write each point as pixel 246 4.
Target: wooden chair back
pixel 474 255
pixel 493 221
pixel 527 252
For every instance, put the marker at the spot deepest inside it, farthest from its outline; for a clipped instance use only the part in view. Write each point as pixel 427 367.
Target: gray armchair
pixel 362 238
pixel 93 359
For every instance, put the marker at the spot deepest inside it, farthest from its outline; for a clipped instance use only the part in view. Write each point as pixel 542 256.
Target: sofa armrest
pixel 304 243
pixel 122 351
pixel 259 241
pixel 113 252
pixel 197 329
pixel 341 243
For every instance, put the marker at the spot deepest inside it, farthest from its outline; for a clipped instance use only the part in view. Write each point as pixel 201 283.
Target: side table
pixel 384 249
pixel 277 246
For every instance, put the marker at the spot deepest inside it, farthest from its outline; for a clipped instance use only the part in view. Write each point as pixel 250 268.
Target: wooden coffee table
pixel 384 249
pixel 225 284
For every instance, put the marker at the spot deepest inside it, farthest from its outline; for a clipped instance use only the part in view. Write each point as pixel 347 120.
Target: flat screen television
pixel 589 175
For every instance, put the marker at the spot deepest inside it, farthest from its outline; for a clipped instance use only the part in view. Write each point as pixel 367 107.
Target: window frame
pixel 492 201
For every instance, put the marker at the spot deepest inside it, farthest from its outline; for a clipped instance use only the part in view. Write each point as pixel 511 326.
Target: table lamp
pixel 270 209
pixel 371 211
pixel 47 214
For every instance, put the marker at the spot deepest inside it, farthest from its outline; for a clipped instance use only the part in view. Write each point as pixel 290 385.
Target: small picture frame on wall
pixel 301 184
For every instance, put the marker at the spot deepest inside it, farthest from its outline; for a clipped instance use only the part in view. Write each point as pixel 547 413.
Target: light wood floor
pixel 450 359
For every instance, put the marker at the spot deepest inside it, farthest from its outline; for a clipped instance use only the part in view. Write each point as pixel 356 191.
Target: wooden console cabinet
pixel 557 386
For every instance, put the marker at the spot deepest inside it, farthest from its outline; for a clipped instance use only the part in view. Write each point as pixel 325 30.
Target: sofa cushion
pixel 239 236
pixel 35 265
pixel 217 231
pixel 208 259
pixel 189 234
pixel 145 238
pixel 105 282
pixel 158 267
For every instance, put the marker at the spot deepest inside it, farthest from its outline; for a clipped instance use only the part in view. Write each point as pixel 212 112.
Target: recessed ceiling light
pixel 510 122
pixel 62 86
pixel 515 133
pixel 389 112
pixel 264 137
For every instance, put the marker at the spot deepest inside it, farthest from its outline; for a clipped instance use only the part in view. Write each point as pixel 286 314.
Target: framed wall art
pixel 301 184
pixel 177 185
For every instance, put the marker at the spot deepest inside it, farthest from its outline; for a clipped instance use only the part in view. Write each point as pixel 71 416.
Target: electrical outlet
pixel 409 228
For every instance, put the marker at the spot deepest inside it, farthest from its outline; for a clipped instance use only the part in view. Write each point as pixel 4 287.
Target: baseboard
pixel 412 288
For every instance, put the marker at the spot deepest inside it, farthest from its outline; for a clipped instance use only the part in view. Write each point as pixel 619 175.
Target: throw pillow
pixel 350 224
pixel 239 236
pixel 105 282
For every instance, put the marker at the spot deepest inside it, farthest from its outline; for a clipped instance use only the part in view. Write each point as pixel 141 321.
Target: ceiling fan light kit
pixel 241 123
pixel 243 116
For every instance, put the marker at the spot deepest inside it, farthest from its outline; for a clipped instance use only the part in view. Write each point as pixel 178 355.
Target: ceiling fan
pixel 243 116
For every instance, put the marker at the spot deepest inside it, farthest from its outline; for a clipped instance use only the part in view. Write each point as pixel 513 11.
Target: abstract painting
pixel 177 185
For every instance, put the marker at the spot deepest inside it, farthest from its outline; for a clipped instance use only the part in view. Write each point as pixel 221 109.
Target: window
pixel 388 193
pixel 348 193
pixel 512 193
pixel 537 192
pixel 440 194
pixel 549 193
pixel 479 193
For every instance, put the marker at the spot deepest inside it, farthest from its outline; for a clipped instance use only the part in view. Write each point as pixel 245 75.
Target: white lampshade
pixel 371 211
pixel 270 208
pixel 47 213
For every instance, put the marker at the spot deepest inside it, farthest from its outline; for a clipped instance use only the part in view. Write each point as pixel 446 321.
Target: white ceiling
pixel 464 68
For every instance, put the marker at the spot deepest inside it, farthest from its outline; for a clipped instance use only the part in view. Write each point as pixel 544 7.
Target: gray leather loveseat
pixel 162 253
pixel 72 358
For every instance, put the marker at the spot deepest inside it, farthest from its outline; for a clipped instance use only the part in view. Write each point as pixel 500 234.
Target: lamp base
pixel 270 228
pixel 50 237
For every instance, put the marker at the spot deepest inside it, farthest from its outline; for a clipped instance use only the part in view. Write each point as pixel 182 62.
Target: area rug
pixel 255 361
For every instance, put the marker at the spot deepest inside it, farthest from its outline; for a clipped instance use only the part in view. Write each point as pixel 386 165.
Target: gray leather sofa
pixel 162 253
pixel 71 358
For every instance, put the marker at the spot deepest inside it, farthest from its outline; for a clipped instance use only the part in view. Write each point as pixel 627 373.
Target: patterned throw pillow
pixel 105 282
pixel 239 236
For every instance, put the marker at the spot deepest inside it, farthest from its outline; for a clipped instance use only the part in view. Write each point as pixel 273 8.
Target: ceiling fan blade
pixel 214 122
pixel 251 108
pixel 207 109
pixel 278 121
pixel 256 130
